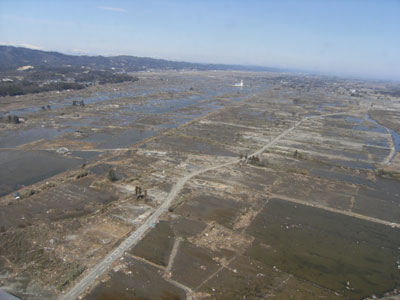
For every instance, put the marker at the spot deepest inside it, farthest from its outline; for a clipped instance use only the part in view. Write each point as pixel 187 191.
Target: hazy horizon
pixel 348 38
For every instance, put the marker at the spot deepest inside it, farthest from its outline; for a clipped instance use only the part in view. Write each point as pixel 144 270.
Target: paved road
pixel 138 234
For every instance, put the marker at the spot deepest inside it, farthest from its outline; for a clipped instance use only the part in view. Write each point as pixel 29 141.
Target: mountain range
pixel 12 58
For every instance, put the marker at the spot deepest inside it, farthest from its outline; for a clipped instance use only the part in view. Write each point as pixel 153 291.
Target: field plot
pixel 182 186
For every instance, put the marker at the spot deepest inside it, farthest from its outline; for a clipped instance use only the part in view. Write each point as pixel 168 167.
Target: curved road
pixel 138 234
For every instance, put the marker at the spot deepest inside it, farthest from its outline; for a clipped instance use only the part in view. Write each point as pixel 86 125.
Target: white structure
pixel 239 84
pixel 62 150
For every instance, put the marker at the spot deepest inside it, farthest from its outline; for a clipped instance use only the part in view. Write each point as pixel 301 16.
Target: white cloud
pixel 25 45
pixel 116 9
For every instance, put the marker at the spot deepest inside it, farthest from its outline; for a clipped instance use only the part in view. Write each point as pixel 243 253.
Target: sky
pixel 342 37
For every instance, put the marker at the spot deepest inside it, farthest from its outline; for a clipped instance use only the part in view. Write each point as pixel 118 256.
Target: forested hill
pixel 12 58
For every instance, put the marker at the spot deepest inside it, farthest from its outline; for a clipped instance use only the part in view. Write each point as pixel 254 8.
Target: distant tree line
pixel 15 89
pixel 76 81
pixel 103 77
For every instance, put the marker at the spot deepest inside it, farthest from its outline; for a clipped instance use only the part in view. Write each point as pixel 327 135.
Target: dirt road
pixel 138 234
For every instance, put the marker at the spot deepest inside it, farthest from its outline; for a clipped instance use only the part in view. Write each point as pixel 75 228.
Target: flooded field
pixel 23 168
pixel 183 186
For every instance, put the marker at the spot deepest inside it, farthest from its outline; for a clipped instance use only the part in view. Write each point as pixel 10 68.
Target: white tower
pixel 240 84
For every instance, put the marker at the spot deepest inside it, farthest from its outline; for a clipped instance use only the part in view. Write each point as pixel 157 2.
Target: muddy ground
pixel 314 215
